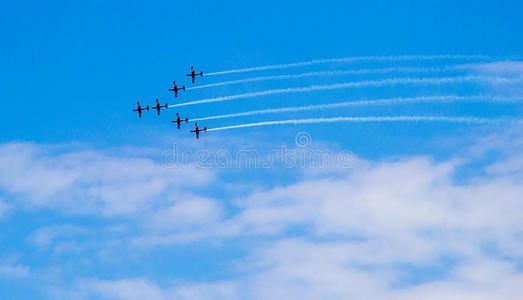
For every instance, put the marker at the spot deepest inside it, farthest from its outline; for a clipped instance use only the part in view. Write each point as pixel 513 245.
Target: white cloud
pixel 295 269
pixel 45 236
pixel 363 229
pixel 483 279
pixel 89 181
pixel 506 68
pixel 410 198
pixel 363 236
pixel 512 69
pixel 124 289
pixel 59 238
pixel 359 234
pixel 188 212
pixel 140 288
pixel 13 271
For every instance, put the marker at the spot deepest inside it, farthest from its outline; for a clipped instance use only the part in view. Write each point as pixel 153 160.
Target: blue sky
pixel 92 208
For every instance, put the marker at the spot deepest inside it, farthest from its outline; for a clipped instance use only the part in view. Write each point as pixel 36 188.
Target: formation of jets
pixel 178 120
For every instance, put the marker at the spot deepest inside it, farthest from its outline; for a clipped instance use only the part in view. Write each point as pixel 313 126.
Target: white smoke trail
pixel 474 120
pixel 351 59
pixel 398 100
pixel 365 83
pixel 335 73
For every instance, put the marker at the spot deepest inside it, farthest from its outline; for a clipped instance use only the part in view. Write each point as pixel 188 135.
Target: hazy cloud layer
pixel 89 181
pixel 403 229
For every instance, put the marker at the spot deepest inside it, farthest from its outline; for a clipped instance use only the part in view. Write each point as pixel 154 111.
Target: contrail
pixel 352 59
pixel 334 73
pixel 398 100
pixel 470 120
pixel 365 83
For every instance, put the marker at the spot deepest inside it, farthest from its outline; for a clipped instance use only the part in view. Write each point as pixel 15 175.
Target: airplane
pixel 179 121
pixel 175 89
pixel 158 106
pixel 197 130
pixel 193 74
pixel 139 109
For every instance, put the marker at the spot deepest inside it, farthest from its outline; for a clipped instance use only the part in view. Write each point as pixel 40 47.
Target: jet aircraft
pixel 140 108
pixel 194 74
pixel 175 89
pixel 158 106
pixel 178 120
pixel 197 130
